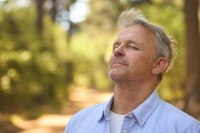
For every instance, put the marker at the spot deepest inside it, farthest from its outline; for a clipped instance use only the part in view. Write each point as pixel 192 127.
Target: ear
pixel 160 66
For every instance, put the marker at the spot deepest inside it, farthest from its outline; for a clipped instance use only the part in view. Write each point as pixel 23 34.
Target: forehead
pixel 136 33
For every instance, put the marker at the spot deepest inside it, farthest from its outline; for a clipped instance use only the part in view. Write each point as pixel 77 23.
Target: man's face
pixel 133 54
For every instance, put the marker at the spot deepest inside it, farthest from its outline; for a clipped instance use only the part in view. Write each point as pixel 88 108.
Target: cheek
pixel 134 64
pixel 141 63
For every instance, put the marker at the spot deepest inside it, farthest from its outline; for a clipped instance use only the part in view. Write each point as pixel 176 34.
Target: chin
pixel 114 76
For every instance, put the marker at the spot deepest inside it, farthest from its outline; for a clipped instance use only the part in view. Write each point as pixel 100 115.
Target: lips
pixel 116 63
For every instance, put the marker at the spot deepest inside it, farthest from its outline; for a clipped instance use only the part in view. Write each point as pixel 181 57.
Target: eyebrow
pixel 128 41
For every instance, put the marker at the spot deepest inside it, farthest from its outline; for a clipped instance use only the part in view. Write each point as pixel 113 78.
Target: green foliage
pixel 88 54
pixel 34 69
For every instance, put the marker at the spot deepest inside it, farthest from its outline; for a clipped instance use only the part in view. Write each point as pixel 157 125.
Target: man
pixel 141 54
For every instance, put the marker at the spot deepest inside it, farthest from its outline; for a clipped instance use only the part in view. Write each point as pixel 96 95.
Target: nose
pixel 119 51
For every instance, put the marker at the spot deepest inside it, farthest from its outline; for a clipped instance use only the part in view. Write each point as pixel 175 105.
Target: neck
pixel 129 95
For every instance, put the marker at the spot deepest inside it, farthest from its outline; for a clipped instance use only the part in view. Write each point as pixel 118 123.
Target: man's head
pixel 148 39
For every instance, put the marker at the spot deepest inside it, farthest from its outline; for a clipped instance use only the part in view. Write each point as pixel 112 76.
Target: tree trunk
pixel 54 10
pixel 192 100
pixel 40 12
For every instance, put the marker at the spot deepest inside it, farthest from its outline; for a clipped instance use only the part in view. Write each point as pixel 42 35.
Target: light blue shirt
pixel 152 116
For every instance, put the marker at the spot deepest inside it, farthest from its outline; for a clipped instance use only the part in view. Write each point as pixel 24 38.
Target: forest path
pixel 55 123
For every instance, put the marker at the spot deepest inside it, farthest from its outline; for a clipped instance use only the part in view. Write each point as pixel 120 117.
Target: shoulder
pixel 92 110
pixel 91 113
pixel 174 111
pixel 177 117
pixel 86 120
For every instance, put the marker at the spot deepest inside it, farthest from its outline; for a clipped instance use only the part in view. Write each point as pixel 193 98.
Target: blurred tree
pixel 192 55
pixel 40 12
pixel 33 71
pixel 55 8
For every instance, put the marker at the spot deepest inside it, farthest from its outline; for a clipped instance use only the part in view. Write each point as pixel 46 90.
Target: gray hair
pixel 164 43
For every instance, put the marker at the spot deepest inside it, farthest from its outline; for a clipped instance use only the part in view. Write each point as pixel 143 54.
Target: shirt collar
pixel 105 110
pixel 141 113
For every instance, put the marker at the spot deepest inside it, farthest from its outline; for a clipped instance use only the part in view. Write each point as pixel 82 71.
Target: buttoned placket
pixel 128 123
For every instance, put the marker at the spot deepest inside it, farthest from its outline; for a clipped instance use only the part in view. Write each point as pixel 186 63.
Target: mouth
pixel 118 64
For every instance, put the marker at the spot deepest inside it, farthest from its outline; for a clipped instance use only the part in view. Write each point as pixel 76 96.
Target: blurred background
pixel 54 55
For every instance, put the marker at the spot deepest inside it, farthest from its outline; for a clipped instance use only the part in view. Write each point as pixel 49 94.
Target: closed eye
pixel 132 47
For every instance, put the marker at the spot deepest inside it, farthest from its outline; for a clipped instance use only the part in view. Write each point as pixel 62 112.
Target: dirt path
pixel 55 123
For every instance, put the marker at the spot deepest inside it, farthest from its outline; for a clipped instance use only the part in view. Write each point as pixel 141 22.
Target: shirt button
pixel 125 131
